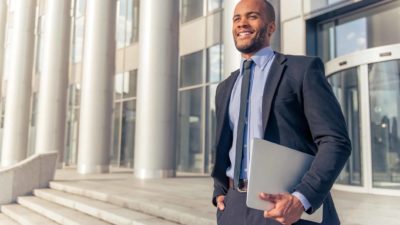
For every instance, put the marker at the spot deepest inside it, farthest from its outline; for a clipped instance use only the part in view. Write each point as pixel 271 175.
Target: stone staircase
pixel 98 203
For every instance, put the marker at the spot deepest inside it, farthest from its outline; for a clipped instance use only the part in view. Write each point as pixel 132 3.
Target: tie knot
pixel 247 64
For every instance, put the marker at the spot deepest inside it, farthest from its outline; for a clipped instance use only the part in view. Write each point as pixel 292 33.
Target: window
pixel 215 63
pixel 384 86
pixel 191 69
pixel 127 22
pixel 214 4
pixel 360 31
pixel 315 5
pixel 191 9
pixel 190 155
pixel 346 89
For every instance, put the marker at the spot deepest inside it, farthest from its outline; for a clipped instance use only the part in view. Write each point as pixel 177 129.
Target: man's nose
pixel 242 23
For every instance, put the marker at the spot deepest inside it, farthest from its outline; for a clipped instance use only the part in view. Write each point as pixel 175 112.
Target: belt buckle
pixel 242 187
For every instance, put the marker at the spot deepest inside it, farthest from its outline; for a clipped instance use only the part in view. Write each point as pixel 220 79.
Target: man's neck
pixel 249 55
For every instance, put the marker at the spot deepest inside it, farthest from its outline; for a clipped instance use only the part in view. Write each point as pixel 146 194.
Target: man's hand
pixel 220 202
pixel 287 210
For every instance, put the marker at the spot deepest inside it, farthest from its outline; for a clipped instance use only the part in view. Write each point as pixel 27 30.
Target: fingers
pixel 285 210
pixel 270 197
pixel 220 202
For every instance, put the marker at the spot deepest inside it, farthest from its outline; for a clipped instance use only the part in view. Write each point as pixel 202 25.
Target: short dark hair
pixel 269 9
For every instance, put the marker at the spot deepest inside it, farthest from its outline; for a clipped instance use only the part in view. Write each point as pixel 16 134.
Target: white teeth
pixel 244 33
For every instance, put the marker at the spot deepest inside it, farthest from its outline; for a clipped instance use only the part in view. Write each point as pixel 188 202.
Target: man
pixel 283 99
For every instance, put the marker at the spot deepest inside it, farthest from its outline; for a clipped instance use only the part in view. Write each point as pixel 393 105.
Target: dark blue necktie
pixel 243 118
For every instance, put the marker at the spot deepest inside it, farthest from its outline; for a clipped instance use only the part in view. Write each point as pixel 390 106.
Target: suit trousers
pixel 236 212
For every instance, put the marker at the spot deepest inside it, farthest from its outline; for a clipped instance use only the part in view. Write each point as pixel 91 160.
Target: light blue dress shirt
pixel 259 73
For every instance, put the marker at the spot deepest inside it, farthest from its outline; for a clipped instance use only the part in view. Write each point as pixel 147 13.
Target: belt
pixel 242 185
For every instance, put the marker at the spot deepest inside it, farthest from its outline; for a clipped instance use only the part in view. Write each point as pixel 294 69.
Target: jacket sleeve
pixel 220 185
pixel 329 133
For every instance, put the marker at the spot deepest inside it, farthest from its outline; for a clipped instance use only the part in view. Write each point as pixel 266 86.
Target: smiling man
pixel 283 99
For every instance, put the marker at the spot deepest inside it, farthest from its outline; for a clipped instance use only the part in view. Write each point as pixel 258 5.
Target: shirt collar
pixel 260 58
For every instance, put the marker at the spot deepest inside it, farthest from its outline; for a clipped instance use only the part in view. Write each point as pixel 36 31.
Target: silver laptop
pixel 275 169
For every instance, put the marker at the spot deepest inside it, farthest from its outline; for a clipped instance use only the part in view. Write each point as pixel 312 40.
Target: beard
pixel 255 44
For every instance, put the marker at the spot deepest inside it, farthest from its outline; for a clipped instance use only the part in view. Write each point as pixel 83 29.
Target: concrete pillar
pixel 54 79
pixel 97 87
pixel 231 54
pixel 19 84
pixel 3 27
pixel 155 143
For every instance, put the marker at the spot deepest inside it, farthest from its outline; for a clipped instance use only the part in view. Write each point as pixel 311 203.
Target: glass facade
pixel 190 155
pixel 214 4
pixel 315 5
pixel 78 30
pixel 191 9
pixel 192 71
pixel 346 89
pixel 127 26
pixel 375 161
pixel 384 87
pixel 72 126
pixel 196 123
pixel 359 31
pixel 121 154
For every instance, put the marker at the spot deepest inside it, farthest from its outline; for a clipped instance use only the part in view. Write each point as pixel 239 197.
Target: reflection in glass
pixel 130 82
pixel 71 149
pixel 191 69
pixel 190 154
pixel 191 9
pixel 384 84
pixel 128 133
pixel 326 43
pixel 119 86
pixel 351 36
pixel 214 4
pixel 80 7
pixel 314 5
pixel 121 22
pixel 371 28
pixel 211 127
pixel 78 40
pixel 345 87
pixel 132 22
pixel 114 156
pixel 214 63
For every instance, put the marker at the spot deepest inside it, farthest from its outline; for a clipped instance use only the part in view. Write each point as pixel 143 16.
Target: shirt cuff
pixel 306 204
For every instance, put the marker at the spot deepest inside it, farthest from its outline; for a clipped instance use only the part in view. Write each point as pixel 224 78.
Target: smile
pixel 244 34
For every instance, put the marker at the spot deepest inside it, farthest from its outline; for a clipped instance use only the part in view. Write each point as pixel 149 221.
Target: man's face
pixel 250 26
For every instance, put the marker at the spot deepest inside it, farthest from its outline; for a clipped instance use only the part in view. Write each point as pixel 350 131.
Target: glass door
pixel 346 89
pixel 367 86
pixel 384 88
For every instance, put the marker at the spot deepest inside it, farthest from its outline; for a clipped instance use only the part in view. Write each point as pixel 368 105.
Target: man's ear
pixel 271 28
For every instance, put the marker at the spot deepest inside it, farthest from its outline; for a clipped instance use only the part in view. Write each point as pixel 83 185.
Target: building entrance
pixel 367 85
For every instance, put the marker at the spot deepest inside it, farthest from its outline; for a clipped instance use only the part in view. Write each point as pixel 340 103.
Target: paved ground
pixel 194 192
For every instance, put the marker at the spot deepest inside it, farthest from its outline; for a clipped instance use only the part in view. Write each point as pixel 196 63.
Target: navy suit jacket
pixel 301 112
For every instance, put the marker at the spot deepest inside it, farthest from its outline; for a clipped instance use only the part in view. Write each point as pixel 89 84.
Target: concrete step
pixel 170 208
pixel 58 213
pixel 108 212
pixel 5 220
pixel 25 216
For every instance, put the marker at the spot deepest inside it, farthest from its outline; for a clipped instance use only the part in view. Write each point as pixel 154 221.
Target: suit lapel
pixel 271 85
pixel 225 101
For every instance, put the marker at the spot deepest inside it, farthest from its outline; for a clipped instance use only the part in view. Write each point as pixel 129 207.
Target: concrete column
pixel 155 144
pixel 3 27
pixel 54 79
pixel 19 84
pixel 95 131
pixel 231 54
